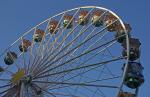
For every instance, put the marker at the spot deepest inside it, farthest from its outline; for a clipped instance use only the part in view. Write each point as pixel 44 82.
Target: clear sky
pixel 18 16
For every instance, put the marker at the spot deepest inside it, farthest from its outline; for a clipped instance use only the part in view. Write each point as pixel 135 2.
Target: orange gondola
pixel 110 23
pixel 68 21
pixel 126 94
pixel 97 20
pixel 83 17
pixel 120 32
pixel 39 34
pixel 23 47
pixel 53 25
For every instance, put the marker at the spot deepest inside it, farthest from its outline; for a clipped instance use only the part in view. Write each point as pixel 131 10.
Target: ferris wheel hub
pixel 21 77
pixel 18 76
pixel 26 79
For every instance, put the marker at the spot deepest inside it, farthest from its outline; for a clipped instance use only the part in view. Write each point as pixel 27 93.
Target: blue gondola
pixel 134 77
pixel 1 69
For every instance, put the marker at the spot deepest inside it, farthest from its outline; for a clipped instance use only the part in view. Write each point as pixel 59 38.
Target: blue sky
pixel 18 16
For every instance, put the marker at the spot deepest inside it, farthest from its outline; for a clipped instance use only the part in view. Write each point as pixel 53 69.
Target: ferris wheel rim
pixel 127 39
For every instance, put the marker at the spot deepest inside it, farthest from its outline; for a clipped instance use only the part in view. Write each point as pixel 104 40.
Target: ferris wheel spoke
pixel 22 90
pixel 72 31
pixel 58 53
pixel 70 88
pixel 54 88
pixel 43 90
pixel 31 52
pixel 103 94
pixel 66 37
pixel 8 85
pixel 69 54
pixel 8 92
pixel 93 80
pixel 93 91
pixel 64 94
pixel 80 74
pixel 61 32
pixel 69 47
pixel 55 50
pixel 82 54
pixel 80 84
pixel 104 79
pixel 23 54
pixel 87 88
pixel 82 67
pixel 36 62
pixel 5 80
pixel 98 52
pixel 89 58
pixel 56 39
pixel 32 92
pixel 76 46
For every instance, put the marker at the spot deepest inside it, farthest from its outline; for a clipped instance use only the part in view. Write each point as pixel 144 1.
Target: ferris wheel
pixel 82 52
